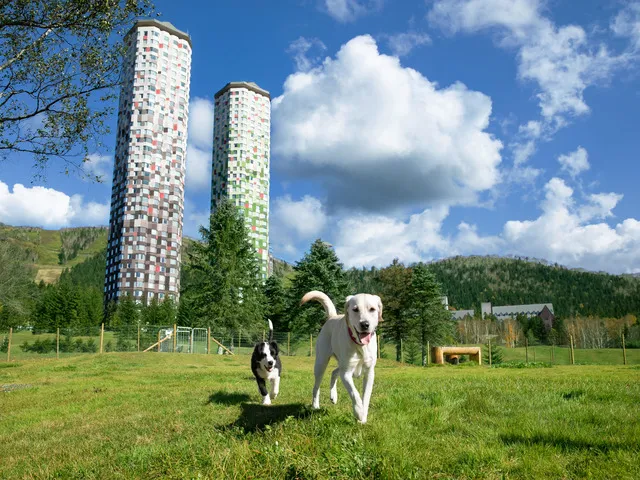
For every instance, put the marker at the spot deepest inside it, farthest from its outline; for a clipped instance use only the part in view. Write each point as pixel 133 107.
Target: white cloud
pixel 383 136
pixel 348 10
pixel 575 162
pixel 401 44
pixel 567 231
pixel 378 239
pixel 300 49
pixel 199 145
pixel 561 60
pixel 295 221
pixel 475 15
pixel 627 24
pixel 46 207
pixel 99 166
pixel 563 234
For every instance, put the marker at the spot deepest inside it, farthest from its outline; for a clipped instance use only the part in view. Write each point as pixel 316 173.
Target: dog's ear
pixel 380 319
pixel 346 304
pixel 274 346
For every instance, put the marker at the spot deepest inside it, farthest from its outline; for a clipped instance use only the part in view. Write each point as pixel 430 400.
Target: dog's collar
pixel 354 338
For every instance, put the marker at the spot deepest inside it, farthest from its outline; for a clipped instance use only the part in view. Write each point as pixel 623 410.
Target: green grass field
pixel 195 416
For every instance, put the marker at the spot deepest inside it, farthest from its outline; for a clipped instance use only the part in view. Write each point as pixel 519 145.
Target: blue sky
pixel 412 129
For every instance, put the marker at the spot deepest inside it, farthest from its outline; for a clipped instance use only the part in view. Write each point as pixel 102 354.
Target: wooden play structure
pixel 439 354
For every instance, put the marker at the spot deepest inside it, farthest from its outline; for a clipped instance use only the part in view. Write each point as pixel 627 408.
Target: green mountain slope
pixel 506 281
pixel 51 251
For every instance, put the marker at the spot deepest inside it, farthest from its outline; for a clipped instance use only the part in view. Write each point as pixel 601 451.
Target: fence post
pixel 138 338
pixel 158 340
pixel 489 345
pixel 208 340
pixel 378 344
pixel 428 352
pixel 288 343
pixel 101 336
pixel 573 358
pixel 311 344
pixel 175 337
pixel 9 345
pixel 401 352
pixel 552 346
pixel 624 352
pixel 534 354
pixel 58 343
pixel 239 341
pixel 526 350
pixel 263 335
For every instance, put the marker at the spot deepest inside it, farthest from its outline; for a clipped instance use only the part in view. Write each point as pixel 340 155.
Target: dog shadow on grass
pixel 255 417
pixel 228 398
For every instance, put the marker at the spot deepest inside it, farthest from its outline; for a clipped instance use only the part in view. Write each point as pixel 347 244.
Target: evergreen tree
pixel 395 285
pixel 321 270
pixel 225 287
pixel 496 355
pixel 127 312
pixel 430 320
pixel 150 314
pixel 276 298
pixel 168 311
pixel 186 315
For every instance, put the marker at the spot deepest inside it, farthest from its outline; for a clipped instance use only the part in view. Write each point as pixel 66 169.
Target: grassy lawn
pixel 195 416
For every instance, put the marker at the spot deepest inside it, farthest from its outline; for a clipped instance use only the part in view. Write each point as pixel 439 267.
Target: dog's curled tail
pixel 326 302
pixel 270 331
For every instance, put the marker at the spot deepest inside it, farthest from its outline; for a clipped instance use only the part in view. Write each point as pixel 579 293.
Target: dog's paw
pixel 266 400
pixel 359 413
pixel 334 396
pixel 315 404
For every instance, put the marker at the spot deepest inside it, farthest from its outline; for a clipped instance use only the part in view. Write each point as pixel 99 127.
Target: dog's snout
pixel 270 363
pixel 364 324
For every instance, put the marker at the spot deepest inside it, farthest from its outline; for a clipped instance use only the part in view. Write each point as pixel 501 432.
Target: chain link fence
pixel 27 344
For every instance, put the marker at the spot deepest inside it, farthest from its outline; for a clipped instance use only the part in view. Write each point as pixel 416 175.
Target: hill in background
pixel 51 251
pixel 515 281
pixel 467 281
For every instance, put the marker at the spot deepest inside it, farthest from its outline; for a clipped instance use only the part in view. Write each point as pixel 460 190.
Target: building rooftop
pixel 248 85
pixel 166 26
pixel 531 309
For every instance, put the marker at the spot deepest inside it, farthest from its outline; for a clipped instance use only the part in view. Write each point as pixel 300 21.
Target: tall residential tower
pixel 147 196
pixel 241 159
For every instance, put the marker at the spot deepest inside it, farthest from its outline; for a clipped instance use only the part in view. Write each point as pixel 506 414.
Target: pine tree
pixel 431 322
pixel 168 311
pixel 395 283
pixel 225 287
pixel 496 354
pixel 127 312
pixel 276 298
pixel 320 269
pixel 151 315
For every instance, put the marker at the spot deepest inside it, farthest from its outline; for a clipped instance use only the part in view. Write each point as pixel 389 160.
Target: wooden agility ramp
pixel 438 354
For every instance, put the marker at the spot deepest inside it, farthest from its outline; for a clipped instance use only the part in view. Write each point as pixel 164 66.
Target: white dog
pixel 351 338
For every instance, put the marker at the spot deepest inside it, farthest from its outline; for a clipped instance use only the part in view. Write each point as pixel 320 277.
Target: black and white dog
pixel 266 365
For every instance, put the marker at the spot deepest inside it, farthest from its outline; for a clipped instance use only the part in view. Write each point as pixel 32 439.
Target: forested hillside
pixel 505 281
pixel 49 252
pixel 467 281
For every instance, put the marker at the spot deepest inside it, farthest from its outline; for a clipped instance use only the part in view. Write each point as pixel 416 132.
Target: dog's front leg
pixel 262 386
pixel 276 386
pixel 347 380
pixel 367 389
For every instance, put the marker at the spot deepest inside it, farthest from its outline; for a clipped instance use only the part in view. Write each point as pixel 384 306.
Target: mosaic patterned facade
pixel 147 197
pixel 241 158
